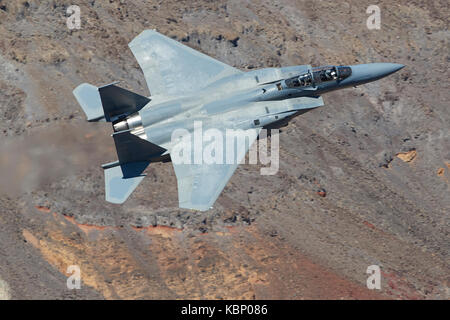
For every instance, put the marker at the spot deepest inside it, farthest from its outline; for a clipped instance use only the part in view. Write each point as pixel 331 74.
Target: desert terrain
pixel 380 151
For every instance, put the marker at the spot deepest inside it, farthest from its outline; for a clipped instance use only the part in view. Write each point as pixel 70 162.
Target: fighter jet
pixel 187 88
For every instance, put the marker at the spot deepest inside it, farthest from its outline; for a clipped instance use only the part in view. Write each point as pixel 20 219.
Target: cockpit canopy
pixel 344 72
pixel 304 80
pixel 318 75
pixel 323 74
pixel 330 73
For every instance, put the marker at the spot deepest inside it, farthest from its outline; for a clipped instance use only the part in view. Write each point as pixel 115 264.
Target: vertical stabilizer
pixel 108 103
pixel 124 175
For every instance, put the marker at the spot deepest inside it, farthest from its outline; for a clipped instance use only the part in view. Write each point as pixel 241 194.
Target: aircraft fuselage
pixel 240 100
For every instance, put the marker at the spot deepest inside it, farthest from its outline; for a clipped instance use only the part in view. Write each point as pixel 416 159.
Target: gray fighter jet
pixel 188 87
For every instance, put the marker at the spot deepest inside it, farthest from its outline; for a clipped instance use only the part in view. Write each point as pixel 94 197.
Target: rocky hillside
pixel 380 151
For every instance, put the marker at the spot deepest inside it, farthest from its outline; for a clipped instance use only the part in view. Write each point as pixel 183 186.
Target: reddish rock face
pixel 240 262
pixel 378 149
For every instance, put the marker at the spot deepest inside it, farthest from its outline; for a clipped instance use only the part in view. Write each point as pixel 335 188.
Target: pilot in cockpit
pixel 333 74
pixel 330 74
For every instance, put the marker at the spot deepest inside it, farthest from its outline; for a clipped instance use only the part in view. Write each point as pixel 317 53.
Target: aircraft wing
pixel 171 68
pixel 199 185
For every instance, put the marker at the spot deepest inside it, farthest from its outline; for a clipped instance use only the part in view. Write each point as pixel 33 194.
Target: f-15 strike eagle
pixel 189 87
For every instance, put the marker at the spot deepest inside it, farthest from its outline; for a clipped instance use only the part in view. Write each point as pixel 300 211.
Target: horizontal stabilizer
pixel 89 99
pixel 118 102
pixel 124 175
pixel 120 181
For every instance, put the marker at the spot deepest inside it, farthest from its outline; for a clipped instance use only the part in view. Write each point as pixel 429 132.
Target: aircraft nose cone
pixel 397 66
pixel 384 69
pixel 363 73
